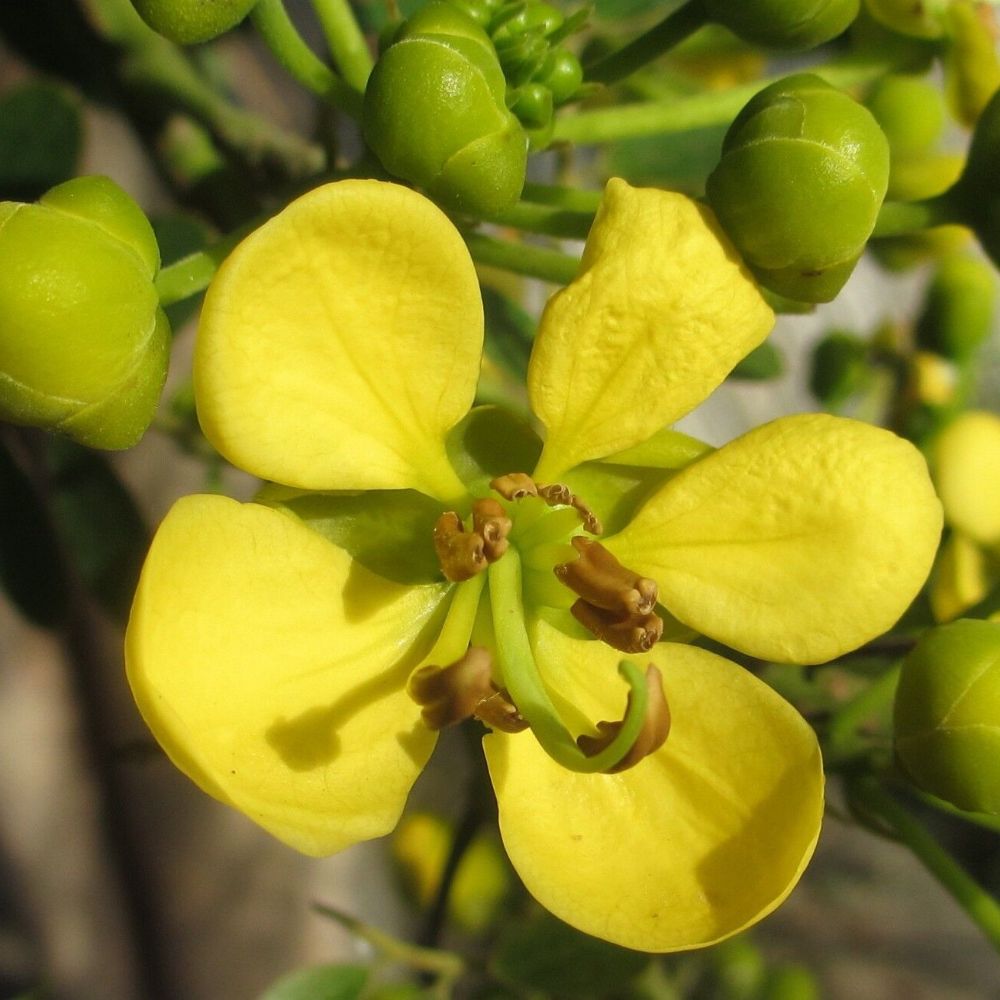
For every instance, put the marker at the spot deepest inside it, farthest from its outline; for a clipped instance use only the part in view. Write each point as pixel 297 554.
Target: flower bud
pixel 839 368
pixel 947 714
pixel 435 113
pixel 925 19
pixel 784 24
pixel 965 463
pixel 909 110
pixel 971 63
pixel 958 311
pixel 803 172
pixel 83 342
pixel 189 21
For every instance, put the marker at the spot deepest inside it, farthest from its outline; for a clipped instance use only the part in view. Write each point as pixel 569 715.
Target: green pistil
pixel 521 679
pixel 453 639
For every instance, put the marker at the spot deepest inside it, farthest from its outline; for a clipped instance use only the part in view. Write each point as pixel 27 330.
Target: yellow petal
pixel 271 667
pixel 695 843
pixel 340 342
pixel 797 542
pixel 966 464
pixel 963 576
pixel 660 312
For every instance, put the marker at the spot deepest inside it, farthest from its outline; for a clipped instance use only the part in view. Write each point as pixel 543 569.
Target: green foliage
pixel 321 982
pixel 544 954
pixel 41 133
pixel 803 173
pixel 189 21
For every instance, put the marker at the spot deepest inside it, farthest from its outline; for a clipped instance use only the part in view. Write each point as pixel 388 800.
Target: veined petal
pixel 341 341
pixel 695 843
pixel 271 667
pixel 967 472
pixel 660 312
pixel 796 542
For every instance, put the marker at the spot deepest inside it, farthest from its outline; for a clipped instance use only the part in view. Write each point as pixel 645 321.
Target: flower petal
pixel 696 842
pixel 660 312
pixel 967 472
pixel 340 342
pixel 797 542
pixel 271 667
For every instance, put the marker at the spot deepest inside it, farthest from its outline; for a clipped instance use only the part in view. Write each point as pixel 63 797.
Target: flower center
pixel 530 542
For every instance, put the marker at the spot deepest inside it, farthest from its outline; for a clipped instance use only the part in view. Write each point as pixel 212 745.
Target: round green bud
pixel 435 113
pixel 534 18
pixel 947 714
pixel 784 24
pixel 839 368
pixel 925 19
pixel 562 74
pixel 910 111
pixel 532 104
pixel 958 311
pixel 971 62
pixel 84 344
pixel 189 21
pixel 803 172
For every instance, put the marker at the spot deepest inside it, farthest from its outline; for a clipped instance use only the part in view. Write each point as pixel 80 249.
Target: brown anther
pixel 600 579
pixel 491 523
pixel 461 553
pixel 629 633
pixel 559 494
pixel 462 690
pixel 652 736
pixel 499 712
pixel 514 486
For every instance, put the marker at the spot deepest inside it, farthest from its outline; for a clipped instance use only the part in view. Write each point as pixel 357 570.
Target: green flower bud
pixel 562 74
pixel 83 342
pixel 535 18
pixel 971 64
pixel 189 21
pixel 958 311
pixel 919 20
pixel 784 24
pixel 803 172
pixel 533 105
pixel 910 111
pixel 435 113
pixel 947 714
pixel 839 368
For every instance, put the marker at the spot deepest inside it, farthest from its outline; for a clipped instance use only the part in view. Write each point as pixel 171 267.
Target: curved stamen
pixel 523 680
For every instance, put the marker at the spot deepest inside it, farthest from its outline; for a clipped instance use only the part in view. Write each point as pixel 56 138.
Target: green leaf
pixel 389 532
pixel 510 332
pixel 763 362
pixel 30 568
pixel 99 522
pixel 545 954
pixel 320 982
pixel 40 137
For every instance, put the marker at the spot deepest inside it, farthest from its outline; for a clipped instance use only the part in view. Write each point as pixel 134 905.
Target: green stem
pixel 897 218
pixel 985 820
pixel 283 39
pixel 571 199
pixel 347 43
pixel 194 273
pixel 443 964
pixel 521 258
pixel 661 38
pixel 527 690
pixel 548 220
pixel 844 725
pixel 702 111
pixel 977 903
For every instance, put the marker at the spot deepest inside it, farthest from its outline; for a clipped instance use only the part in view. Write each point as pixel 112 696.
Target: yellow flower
pixel 965 459
pixel 277 649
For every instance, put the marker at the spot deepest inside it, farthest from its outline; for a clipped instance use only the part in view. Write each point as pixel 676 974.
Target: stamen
pixel 514 486
pixel 629 633
pixel 461 553
pixel 654 732
pixel 600 579
pixel 499 712
pixel 491 523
